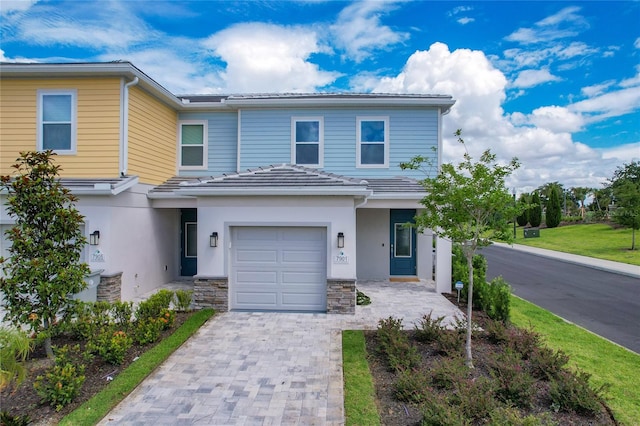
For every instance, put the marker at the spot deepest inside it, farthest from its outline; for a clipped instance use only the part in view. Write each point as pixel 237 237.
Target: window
pixel 193 147
pixel 57 121
pixel 372 135
pixel 307 141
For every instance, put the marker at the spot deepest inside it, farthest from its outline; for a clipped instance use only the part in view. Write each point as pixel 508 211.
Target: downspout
pixel 124 128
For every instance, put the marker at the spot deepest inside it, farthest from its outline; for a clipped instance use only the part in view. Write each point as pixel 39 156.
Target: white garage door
pixel 279 269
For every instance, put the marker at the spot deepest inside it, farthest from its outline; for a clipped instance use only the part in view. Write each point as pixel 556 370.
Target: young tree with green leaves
pixel 44 266
pixel 553 213
pixel 469 204
pixel 535 213
pixel 625 187
pixel 579 194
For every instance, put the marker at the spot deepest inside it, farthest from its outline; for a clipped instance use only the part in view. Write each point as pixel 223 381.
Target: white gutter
pixel 290 191
pixel 124 127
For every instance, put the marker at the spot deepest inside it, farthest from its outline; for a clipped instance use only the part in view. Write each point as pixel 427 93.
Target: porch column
pixel 443 265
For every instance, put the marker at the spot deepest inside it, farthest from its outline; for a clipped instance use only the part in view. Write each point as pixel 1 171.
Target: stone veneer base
pixel 110 288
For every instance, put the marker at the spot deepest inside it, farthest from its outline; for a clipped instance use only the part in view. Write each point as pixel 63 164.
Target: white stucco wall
pixel 443 265
pixel 219 214
pixel 373 244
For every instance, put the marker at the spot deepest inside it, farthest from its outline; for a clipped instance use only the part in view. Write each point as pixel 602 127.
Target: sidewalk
pixel 592 262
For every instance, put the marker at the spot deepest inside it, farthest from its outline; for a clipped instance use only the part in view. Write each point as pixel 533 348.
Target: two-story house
pixel 270 202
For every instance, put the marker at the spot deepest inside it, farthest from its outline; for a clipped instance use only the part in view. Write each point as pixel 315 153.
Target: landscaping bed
pixel 420 376
pixel 98 374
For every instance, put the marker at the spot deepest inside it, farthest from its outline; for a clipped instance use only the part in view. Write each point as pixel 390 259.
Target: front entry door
pixel 188 242
pixel 403 243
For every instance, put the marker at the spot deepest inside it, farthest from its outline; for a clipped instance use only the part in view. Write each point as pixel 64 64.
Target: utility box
pixel 531 232
pixel 90 294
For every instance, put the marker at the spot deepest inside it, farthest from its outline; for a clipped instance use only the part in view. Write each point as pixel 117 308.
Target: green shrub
pixel 436 411
pixel 122 313
pixel 112 345
pixel 496 331
pixel 496 300
pixel 451 343
pixel 394 344
pixel 182 300
pixel 446 373
pixel 362 299
pixel 14 348
pixel 553 213
pixel 545 363
pixel 460 272
pixel 428 329
pixel 167 318
pixel 475 398
pixel 572 392
pixel 154 306
pixel 523 341
pixel 147 330
pixel 7 419
pixel 514 384
pixel 61 383
pixel 412 386
pixel 535 213
pixel 510 416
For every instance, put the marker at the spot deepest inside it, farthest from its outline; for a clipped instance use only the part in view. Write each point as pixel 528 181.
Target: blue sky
pixel 556 84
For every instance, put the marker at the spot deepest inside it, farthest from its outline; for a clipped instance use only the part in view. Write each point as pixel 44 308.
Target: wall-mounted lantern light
pixel 213 239
pixel 340 240
pixel 94 238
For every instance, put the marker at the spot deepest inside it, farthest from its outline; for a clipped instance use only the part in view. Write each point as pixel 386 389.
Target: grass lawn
pixel 359 395
pixel 594 240
pixel 605 361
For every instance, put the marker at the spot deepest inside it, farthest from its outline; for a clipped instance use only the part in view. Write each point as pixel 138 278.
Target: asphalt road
pixel 604 303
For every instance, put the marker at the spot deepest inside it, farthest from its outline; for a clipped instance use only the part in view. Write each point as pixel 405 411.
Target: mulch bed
pixel 98 374
pixel 396 413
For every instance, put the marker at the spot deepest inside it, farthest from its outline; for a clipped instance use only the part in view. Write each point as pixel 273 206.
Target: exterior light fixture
pixel 340 240
pixel 94 238
pixel 213 239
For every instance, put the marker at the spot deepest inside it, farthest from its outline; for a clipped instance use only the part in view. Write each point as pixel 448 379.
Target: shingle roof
pixel 284 179
pixel 98 186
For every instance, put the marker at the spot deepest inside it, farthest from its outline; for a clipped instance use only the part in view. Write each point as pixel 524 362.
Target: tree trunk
pixel 47 341
pixel 469 357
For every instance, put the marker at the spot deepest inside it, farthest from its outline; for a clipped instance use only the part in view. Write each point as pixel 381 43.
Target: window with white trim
pixel 372 136
pixel 307 141
pixel 192 138
pixel 57 120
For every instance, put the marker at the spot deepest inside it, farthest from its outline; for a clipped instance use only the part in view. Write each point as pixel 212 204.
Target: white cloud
pixel 556 119
pixel 465 20
pixel 541 140
pixel 531 78
pixel 624 153
pixel 565 23
pixel 611 104
pixel 269 58
pixel 359 32
pixel 12 6
pixel 636 44
pixel 597 89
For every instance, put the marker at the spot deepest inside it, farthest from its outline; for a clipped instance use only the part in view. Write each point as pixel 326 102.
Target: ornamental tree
pixel 44 266
pixel 625 186
pixel 523 218
pixel 535 214
pixel 553 213
pixel 469 204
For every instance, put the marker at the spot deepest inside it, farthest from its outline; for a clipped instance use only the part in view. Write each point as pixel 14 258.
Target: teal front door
pixel 188 242
pixel 403 243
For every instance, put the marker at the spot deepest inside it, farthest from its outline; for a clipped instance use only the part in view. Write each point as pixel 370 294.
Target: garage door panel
pixel 289 263
pixel 255 299
pixel 294 278
pixel 301 256
pixel 265 256
pixel 295 300
pixel 261 277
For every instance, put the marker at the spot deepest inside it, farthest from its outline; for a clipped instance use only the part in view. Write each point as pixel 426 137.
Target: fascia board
pixel 239 192
pixel 397 196
pixel 444 102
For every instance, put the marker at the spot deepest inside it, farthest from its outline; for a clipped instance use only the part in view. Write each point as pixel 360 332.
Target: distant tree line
pixel 618 200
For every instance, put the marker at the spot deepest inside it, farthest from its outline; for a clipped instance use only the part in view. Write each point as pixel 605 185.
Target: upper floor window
pixel 57 121
pixel 193 144
pixel 307 141
pixel 372 136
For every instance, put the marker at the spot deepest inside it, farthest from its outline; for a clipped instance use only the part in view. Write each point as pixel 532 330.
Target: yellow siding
pixel 152 138
pixel 98 129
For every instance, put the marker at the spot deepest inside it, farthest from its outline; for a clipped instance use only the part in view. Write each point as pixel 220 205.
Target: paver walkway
pixel 265 368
